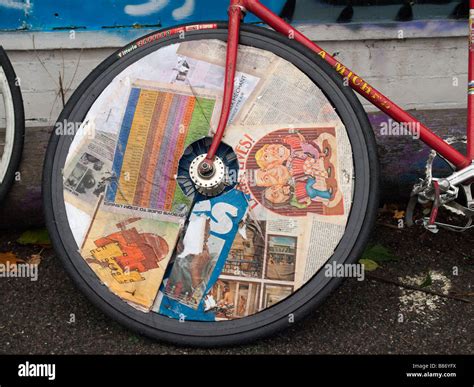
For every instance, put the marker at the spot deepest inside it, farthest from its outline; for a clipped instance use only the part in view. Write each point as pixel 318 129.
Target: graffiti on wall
pixel 153 6
pixel 44 15
pixel 146 8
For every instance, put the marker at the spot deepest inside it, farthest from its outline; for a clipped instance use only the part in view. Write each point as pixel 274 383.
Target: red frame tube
pixel 356 83
pixel 470 94
pixel 235 17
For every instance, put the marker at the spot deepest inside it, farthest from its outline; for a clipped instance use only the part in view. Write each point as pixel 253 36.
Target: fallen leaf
pixel 34 259
pixel 369 265
pixel 428 281
pixel 398 215
pixel 378 253
pixel 10 258
pixel 38 237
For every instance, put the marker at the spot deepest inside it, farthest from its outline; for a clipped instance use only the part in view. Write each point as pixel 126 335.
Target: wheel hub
pixel 208 179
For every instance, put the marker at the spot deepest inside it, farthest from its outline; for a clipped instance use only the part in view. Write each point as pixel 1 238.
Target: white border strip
pixel 115 38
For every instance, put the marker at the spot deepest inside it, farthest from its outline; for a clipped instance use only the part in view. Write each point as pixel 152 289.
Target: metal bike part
pixel 449 186
pixel 457 178
pixel 444 197
pixel 467 188
pixel 208 181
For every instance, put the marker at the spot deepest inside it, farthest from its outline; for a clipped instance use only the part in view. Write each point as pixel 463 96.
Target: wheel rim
pixel 298 298
pixel 7 130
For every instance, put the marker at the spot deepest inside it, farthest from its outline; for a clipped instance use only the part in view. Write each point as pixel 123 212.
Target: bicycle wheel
pixel 12 124
pixel 229 260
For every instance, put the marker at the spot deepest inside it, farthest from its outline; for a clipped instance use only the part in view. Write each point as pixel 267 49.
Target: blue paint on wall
pixel 47 15
pixel 11 17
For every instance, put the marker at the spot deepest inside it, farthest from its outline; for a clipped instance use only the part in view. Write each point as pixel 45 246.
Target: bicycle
pixel 12 124
pixel 167 176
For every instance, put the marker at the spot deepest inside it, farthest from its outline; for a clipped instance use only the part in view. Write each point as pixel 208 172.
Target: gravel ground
pixel 374 316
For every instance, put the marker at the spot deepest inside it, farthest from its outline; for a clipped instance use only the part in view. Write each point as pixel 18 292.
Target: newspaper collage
pixel 217 258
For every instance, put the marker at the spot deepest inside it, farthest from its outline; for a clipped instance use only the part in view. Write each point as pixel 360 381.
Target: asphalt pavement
pixel 383 314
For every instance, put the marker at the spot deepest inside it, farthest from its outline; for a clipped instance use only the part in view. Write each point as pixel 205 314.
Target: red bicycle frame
pixel 237 10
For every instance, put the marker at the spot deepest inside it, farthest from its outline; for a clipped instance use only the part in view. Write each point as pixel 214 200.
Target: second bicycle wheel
pixel 12 124
pixel 210 261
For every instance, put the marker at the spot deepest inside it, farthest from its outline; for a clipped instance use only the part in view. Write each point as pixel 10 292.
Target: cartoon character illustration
pixel 294 171
pixel 312 189
pixel 278 194
pixel 301 195
pixel 301 157
pixel 306 158
pixel 276 175
pixel 129 253
pixel 271 155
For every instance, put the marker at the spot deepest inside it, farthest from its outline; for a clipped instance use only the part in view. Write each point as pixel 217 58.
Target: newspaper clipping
pixel 219 258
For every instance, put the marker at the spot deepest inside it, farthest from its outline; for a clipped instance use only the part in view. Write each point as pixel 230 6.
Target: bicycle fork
pixel 236 14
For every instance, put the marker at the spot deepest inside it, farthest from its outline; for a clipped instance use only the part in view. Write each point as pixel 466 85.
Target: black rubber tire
pixel 270 320
pixel 15 159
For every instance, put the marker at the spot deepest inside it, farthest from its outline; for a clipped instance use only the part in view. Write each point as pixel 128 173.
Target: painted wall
pixel 47 15
pixel 44 15
pixel 423 81
pixel 356 11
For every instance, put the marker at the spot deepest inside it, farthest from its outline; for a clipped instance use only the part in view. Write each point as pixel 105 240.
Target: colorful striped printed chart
pixel 157 126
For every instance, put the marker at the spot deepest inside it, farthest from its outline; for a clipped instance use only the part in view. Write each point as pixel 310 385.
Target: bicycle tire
pixel 301 302
pixel 15 126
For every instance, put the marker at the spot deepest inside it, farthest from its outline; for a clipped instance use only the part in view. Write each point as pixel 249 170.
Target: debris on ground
pixel 421 307
pixel 374 255
pixel 10 258
pixel 37 237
